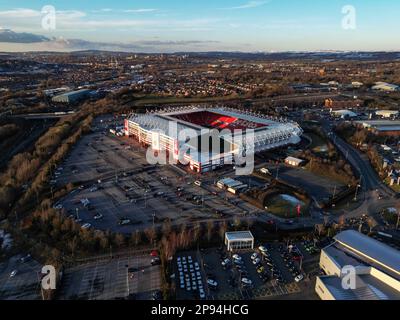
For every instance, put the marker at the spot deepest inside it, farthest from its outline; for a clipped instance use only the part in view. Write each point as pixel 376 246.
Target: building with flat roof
pixel 294 162
pixel 72 97
pixel 382 127
pixel 386 87
pixel 387 113
pixel 376 266
pixel 241 240
pixel 344 114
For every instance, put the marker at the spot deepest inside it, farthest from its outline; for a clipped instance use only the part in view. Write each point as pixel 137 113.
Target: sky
pixel 223 25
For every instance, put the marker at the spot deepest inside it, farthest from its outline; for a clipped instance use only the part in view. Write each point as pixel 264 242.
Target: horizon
pixel 226 26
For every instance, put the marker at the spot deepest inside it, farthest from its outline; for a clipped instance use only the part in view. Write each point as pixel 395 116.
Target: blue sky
pixel 274 25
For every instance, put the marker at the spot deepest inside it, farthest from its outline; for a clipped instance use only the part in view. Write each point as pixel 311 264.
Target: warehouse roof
pixel 375 251
pixel 368 288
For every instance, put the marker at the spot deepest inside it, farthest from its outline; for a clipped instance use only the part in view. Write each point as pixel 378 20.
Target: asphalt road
pixel 372 186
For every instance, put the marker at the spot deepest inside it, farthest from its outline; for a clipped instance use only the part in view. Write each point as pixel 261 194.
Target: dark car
pixel 157 295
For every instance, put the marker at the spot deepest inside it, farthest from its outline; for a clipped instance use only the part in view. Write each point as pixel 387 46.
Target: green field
pixel 285 206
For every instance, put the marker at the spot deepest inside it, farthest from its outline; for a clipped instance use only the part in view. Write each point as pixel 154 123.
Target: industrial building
pixel 154 129
pixel 387 113
pixel 241 240
pixel 343 103
pixel 344 114
pixel 72 97
pixel 382 127
pixel 376 266
pixel 294 162
pixel 386 87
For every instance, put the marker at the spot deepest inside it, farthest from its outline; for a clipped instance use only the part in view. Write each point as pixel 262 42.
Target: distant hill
pixel 7 35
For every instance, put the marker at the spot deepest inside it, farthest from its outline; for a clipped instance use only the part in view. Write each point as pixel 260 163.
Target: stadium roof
pixel 376 251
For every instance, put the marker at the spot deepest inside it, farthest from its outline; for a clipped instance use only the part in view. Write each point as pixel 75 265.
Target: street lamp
pixel 127 281
pixel 355 197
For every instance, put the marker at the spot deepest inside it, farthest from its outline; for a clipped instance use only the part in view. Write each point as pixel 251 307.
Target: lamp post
pixel 355 197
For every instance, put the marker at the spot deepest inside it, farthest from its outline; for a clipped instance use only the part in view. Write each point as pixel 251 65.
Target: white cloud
pixel 70 14
pixel 30 13
pixel 20 13
pixel 140 10
pixel 249 5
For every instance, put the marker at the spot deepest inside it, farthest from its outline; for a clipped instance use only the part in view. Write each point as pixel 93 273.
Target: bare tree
pixel 371 224
pixel 319 228
pixel 210 229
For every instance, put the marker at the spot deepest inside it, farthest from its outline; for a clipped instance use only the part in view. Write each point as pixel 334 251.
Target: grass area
pixel 395 187
pixel 286 209
pixel 319 145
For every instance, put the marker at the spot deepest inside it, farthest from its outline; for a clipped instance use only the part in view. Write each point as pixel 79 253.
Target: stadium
pixel 154 129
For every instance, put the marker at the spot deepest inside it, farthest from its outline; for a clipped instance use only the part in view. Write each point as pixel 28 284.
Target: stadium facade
pixel 167 130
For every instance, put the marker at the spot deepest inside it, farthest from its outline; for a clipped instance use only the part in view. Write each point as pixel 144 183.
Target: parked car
pixel 299 278
pixel 202 294
pixel 254 256
pixel 263 249
pixel 155 261
pixel 26 258
pixel 13 273
pixel 236 257
pixel 98 216
pixel 212 284
pixel 226 263
pixel 247 282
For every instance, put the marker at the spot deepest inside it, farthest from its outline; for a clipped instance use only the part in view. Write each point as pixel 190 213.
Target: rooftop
pixel 372 251
pixel 239 236
pixel 368 288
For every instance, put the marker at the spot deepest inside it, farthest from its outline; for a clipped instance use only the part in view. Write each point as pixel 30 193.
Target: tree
pixel 166 227
pixel 371 224
pixel 319 228
pixel 119 240
pixel 135 238
pixel 210 229
pixel 150 235
pixel 223 227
